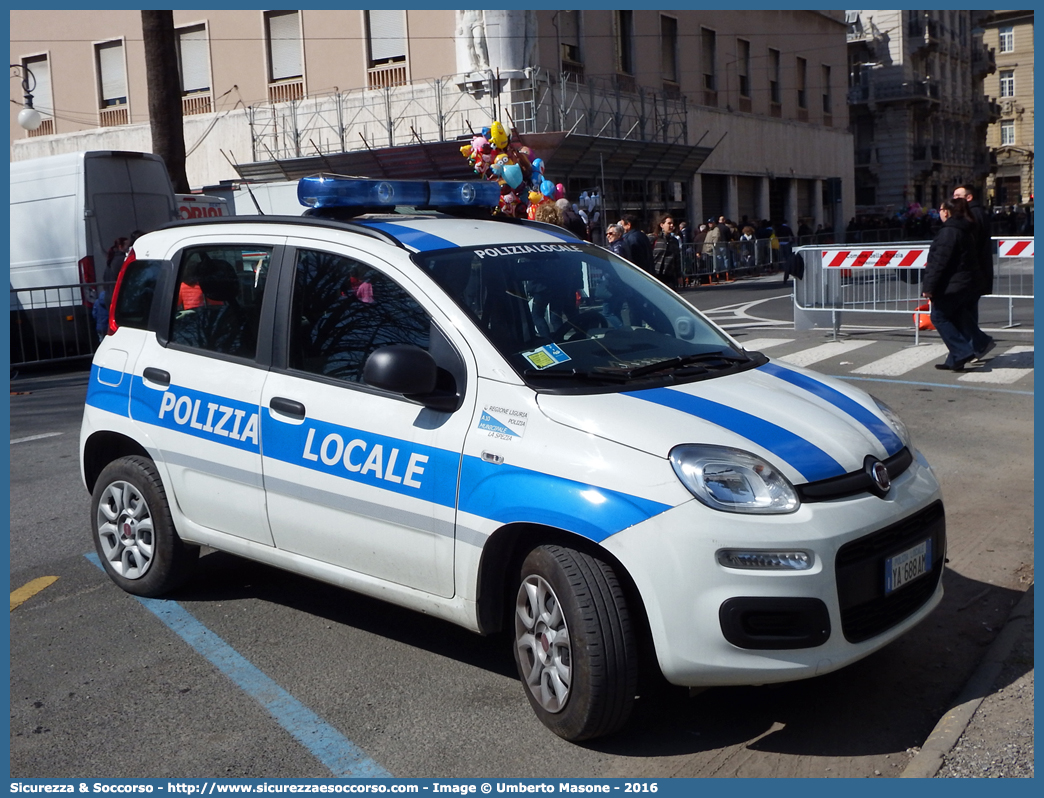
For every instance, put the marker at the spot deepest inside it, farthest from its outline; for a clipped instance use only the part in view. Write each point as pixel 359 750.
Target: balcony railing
pixel 385 76
pixel 46 129
pixel 625 82
pixel 573 71
pixel 286 91
pixel 113 116
pixel 894 91
pixel 199 103
pixel 984 61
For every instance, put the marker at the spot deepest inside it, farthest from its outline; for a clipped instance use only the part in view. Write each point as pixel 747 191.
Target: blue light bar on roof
pixel 327 191
pixel 481 194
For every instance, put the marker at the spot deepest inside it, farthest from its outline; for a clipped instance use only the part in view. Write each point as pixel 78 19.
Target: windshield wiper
pixel 684 365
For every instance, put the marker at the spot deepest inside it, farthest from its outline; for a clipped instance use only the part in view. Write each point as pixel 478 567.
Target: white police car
pixel 498 424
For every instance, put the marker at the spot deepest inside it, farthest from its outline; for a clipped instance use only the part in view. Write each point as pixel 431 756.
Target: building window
pixel 193 59
pixel 625 42
pixel 112 76
pixel 802 79
pixel 828 102
pixel 709 41
pixel 40 84
pixel 669 48
pixel 1007 38
pixel 387 36
pixel 1007 83
pixel 774 88
pixel 743 66
pixel 1007 127
pixel 283 32
pixel 569 36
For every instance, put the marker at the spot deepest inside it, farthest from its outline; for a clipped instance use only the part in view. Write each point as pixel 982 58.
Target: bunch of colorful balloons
pixel 523 187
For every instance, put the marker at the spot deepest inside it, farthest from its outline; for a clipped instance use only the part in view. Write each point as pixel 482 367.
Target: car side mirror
pixel 411 371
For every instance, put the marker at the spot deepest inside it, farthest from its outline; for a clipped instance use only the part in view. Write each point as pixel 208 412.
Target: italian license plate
pixel 906 566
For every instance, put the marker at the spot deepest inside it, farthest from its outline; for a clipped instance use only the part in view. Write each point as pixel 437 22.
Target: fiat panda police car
pixel 501 425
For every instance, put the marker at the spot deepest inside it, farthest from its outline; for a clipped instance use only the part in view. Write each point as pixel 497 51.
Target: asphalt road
pixel 102 687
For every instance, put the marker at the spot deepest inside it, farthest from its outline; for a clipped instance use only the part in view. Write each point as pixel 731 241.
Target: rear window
pixel 134 300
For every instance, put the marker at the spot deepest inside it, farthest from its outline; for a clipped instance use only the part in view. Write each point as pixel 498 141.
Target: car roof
pixel 419 232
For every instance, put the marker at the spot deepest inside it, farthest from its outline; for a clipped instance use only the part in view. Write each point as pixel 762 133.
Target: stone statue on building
pixel 472 51
pixel 500 40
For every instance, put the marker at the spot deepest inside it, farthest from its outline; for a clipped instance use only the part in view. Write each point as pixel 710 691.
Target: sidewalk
pixel 988 732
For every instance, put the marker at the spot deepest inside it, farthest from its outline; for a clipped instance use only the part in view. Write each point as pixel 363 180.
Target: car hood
pixel 809 426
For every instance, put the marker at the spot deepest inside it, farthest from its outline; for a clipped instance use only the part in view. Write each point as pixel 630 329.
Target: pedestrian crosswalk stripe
pixel 1005 369
pixel 807 357
pixel 904 360
pixel 758 344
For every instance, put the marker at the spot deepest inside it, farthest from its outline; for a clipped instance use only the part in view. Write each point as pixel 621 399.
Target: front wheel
pixel 574 645
pixel 134 534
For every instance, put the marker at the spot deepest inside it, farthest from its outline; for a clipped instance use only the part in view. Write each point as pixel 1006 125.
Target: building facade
pixel 686 111
pixel 1010 35
pixel 918 108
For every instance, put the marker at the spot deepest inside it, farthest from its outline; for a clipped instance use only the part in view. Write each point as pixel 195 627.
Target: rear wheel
pixel 134 534
pixel 574 645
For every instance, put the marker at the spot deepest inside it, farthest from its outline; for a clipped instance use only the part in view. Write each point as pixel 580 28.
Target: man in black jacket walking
pixel 981 342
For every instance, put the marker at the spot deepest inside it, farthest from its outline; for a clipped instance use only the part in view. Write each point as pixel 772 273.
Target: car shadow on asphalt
pixel 886 703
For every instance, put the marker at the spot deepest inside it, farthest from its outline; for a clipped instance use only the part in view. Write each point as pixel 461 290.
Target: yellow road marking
pixel 30 589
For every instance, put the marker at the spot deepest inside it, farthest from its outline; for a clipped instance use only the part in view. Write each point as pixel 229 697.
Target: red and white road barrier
pixel 1014 247
pixel 898 258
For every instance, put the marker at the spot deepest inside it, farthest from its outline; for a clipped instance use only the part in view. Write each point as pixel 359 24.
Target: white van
pixel 66 211
pixel 201 206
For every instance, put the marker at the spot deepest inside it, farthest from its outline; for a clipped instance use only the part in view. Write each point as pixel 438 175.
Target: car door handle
pixel 158 376
pixel 288 407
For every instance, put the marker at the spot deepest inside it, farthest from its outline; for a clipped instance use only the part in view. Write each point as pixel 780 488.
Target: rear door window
pixel 218 298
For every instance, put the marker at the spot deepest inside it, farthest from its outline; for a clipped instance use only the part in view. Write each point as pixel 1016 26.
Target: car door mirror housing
pixel 401 368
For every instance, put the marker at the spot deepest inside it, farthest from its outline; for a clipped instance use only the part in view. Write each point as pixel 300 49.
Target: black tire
pixel 133 532
pixel 577 657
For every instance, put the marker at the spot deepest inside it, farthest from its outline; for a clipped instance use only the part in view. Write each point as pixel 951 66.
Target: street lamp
pixel 29 118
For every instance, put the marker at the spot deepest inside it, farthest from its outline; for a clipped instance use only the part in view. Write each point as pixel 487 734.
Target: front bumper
pixel 718 625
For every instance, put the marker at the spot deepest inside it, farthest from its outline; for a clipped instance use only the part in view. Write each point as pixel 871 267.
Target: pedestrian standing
pixel 951 283
pixel 636 244
pixel 981 342
pixel 666 252
pixel 614 236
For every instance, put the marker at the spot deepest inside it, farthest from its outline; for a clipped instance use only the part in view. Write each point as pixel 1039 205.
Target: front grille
pixel 854 483
pixel 859 568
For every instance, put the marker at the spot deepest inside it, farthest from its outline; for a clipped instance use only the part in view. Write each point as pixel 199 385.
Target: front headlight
pixel 733 480
pixel 894 420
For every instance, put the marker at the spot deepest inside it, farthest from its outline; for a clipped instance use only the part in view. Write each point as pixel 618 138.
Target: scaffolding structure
pixel 459 106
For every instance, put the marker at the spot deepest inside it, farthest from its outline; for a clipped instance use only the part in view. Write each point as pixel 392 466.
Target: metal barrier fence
pixel 53 323
pixel 725 262
pixel 1013 270
pixel 888 280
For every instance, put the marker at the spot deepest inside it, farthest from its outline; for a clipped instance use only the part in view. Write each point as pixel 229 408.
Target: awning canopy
pixel 565 156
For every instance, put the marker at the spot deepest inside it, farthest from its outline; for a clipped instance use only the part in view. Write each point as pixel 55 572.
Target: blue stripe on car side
pixel 879 428
pixel 509 494
pixel 109 390
pixel 391 464
pixel 415 239
pixel 499 492
pixel 813 463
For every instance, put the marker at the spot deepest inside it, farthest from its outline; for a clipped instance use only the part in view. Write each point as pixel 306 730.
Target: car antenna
pixel 247 184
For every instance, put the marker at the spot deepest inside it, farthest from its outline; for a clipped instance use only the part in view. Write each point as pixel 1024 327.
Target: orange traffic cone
pixel 922 319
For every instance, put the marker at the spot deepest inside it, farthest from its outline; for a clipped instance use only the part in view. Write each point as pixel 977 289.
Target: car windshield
pixel 576 315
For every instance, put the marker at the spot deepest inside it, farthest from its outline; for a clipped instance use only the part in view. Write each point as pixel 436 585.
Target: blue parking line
pixel 340 755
